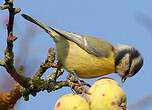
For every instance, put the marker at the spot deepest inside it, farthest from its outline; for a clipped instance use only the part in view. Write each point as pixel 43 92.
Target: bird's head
pixel 128 61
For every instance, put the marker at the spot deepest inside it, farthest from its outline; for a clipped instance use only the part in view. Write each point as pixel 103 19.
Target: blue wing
pixel 92 45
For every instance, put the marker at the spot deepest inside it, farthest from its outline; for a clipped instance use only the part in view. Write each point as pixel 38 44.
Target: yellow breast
pixel 75 59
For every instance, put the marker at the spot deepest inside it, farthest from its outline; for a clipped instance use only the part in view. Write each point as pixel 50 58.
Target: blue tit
pixel 90 57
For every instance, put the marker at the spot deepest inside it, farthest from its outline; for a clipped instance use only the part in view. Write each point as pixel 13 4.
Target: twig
pixel 49 62
pixel 8 100
pixel 70 82
pixel 34 84
pixel 2 63
pixel 9 55
pixel 53 75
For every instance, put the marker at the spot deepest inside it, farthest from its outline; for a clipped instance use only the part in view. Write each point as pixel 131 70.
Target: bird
pixel 90 57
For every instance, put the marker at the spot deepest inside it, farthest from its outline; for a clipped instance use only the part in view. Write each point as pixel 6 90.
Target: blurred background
pixel 117 21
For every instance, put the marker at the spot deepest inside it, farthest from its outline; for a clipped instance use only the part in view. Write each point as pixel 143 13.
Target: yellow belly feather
pixel 85 65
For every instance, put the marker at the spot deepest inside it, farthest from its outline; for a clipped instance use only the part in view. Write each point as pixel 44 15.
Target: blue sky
pixel 117 21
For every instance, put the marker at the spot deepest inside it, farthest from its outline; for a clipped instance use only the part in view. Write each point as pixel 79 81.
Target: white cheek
pixel 123 65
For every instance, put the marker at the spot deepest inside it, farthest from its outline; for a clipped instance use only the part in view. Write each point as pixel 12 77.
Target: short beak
pixel 123 79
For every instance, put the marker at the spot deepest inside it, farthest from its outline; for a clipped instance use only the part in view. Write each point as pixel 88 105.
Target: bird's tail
pixel 49 30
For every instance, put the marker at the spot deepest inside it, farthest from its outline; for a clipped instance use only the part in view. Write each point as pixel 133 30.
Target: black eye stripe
pixel 132 52
pixel 120 56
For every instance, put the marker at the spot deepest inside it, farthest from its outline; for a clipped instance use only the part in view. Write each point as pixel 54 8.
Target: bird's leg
pixel 76 86
pixel 76 77
pixel 59 65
